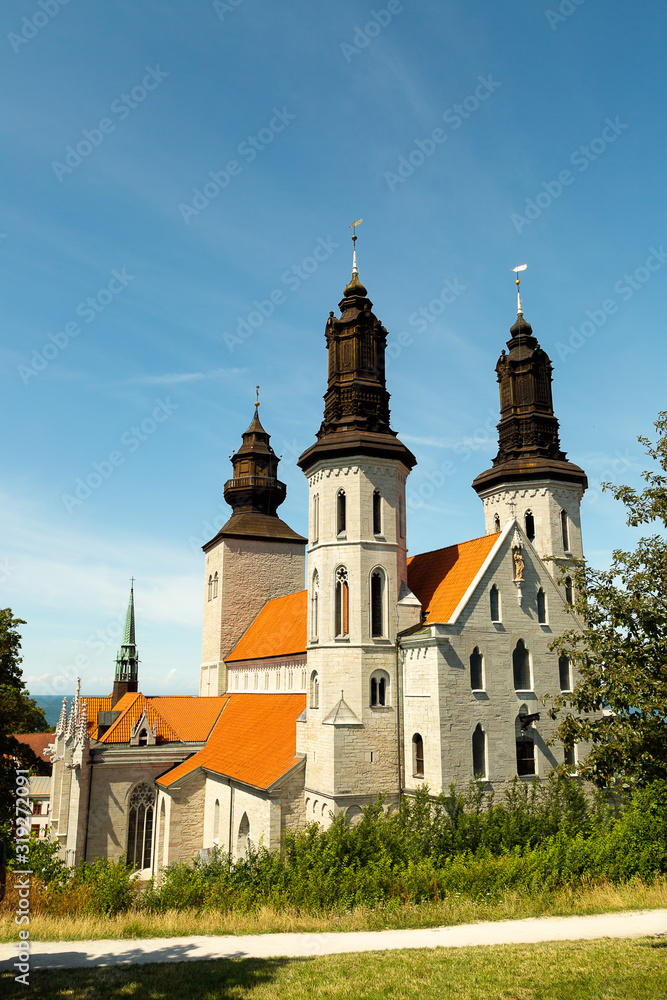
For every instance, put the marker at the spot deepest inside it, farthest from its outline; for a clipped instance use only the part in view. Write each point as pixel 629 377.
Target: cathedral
pixel 360 671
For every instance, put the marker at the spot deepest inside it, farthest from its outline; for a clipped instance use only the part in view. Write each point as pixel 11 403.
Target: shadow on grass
pixel 223 978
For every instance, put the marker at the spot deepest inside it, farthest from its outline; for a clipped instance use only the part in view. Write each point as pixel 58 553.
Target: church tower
pixel 126 677
pixel 357 571
pixel 530 478
pixel 254 557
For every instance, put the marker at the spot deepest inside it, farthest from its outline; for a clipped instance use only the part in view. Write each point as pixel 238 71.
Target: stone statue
pixel 519 563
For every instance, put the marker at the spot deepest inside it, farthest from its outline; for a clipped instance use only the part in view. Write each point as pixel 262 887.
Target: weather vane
pixel 257 395
pixel 520 267
pixel 353 227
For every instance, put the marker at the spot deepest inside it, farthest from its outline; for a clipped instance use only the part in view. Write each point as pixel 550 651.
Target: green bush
pixel 537 838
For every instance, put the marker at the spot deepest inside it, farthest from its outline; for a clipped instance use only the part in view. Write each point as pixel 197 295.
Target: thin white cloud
pixel 180 377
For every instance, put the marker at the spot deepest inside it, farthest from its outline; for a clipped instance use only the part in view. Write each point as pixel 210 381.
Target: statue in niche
pixel 519 564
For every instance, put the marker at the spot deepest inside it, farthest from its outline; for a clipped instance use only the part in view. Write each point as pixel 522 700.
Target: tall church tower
pixel 530 478
pixel 357 570
pixel 254 557
pixel 126 677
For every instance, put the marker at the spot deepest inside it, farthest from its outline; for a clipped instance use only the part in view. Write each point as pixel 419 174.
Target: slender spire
pixel 519 308
pixel 127 661
pixel 62 721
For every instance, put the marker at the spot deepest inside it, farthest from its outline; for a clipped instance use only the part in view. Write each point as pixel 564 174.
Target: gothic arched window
pixel 314 690
pixel 494 600
pixel 521 666
pixel 529 521
pixel 140 826
pixel 541 607
pixel 314 606
pixel 479 752
pixel 496 522
pixel 417 756
pixel 215 584
pixel 210 587
pixel 243 838
pixel 569 595
pixel 216 821
pixel 341 512
pixel 315 534
pixel 377 513
pixel 476 670
pixel 564 530
pixel 564 673
pixel 377 603
pixel 342 602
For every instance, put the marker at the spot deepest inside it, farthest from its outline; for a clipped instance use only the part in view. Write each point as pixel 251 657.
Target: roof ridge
pixel 443 548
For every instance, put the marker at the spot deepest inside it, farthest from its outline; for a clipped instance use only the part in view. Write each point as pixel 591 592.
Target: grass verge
pixel 597 898
pixel 568 970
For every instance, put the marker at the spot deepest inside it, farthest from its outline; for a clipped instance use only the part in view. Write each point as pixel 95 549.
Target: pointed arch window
pixel 342 603
pixel 564 673
pixel 210 587
pixel 494 600
pixel 315 607
pixel 377 513
pixel 476 670
pixel 243 838
pixel 521 666
pixel 417 756
pixel 216 821
pixel 496 522
pixel 569 593
pixel 140 826
pixel 315 534
pixel 479 752
pixel 314 690
pixel 541 607
pixel 341 512
pixel 215 584
pixel 564 529
pixel 529 522
pixel 377 603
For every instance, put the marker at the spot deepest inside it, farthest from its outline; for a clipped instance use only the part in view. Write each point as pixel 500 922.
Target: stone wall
pixel 250 574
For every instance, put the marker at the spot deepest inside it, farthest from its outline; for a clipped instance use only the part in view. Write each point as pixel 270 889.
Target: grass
pixel 598 898
pixel 567 970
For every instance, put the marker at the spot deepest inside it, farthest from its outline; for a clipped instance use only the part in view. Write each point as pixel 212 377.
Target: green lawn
pixel 597 970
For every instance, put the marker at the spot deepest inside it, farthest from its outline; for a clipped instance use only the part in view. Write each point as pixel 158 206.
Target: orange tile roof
pixel 93 706
pixel 254 740
pixel 278 630
pixel 38 742
pixel 132 706
pixel 192 718
pixel 440 579
pixel 178 718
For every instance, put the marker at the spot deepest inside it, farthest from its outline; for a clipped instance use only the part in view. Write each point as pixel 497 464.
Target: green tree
pixel 18 713
pixel 619 645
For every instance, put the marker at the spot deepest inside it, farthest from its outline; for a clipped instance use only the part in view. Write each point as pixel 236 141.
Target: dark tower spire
pixel 356 403
pixel 254 492
pixel 528 440
pixel 127 662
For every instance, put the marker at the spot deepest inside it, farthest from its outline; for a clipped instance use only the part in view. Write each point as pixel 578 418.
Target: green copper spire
pixel 127 661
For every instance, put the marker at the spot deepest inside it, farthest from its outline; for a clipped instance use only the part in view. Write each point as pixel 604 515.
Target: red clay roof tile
pixel 254 740
pixel 440 578
pixel 278 630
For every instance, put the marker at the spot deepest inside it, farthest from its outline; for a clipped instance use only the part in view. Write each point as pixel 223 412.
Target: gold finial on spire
pixel 257 395
pixel 353 227
pixel 520 267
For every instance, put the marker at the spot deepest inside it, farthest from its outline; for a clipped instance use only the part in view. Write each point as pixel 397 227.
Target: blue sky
pixel 178 174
